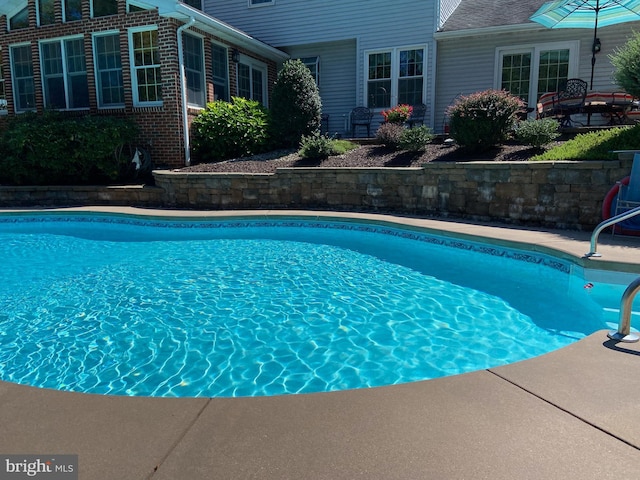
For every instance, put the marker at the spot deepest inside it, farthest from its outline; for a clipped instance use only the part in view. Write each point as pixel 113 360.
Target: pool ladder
pixel 623 334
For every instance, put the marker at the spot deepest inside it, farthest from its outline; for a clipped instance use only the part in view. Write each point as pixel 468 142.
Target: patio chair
pixel 360 117
pixel 569 101
pixel 417 115
pixel 629 196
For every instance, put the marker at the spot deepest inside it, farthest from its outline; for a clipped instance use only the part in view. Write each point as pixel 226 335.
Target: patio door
pixel 530 71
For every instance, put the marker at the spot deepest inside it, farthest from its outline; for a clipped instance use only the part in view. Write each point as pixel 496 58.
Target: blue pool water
pixel 126 306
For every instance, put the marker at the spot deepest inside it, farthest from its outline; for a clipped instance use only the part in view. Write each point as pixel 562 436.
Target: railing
pixel 624 325
pixel 607 223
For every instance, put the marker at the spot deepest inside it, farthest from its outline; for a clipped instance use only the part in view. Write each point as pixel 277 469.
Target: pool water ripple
pixel 113 309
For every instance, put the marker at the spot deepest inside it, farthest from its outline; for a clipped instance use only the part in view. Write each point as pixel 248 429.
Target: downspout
pixel 183 92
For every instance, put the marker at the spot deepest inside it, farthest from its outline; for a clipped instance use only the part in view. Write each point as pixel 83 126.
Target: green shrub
pixel 52 149
pixel 415 139
pixel 390 134
pixel 295 104
pixel 537 133
pixel 316 146
pixel 483 120
pixel 597 145
pixel 227 130
pixel 626 60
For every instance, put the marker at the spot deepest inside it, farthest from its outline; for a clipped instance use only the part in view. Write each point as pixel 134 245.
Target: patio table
pixel 613 105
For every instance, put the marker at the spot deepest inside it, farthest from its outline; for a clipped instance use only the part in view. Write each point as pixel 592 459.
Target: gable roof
pixel 477 14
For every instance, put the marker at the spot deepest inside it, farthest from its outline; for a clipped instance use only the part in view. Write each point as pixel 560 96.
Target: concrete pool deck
pixel 573 413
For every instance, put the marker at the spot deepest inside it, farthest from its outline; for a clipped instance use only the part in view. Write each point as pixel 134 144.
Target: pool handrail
pixel 623 334
pixel 607 223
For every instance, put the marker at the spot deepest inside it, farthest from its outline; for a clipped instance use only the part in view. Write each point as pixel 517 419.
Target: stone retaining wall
pixel 549 194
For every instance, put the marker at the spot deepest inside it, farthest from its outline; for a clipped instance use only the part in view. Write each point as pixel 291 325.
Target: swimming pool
pixel 150 307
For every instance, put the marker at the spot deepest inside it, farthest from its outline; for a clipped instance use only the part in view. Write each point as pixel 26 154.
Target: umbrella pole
pixel 593 43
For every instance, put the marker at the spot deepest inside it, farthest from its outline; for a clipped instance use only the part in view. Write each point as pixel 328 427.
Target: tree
pixel 626 60
pixel 295 104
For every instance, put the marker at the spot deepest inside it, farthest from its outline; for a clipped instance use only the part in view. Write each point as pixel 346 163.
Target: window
pixel 102 8
pixel 72 10
pixel 254 3
pixel 395 77
pixel 194 70
pixel 147 85
pixel 46 14
pixel 64 74
pixel 252 80
pixel 109 70
pixel 220 58
pixel 194 3
pixel 313 64
pixel 528 72
pixel 23 84
pixel 20 19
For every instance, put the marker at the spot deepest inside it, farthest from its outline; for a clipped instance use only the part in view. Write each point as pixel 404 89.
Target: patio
pixel 568 414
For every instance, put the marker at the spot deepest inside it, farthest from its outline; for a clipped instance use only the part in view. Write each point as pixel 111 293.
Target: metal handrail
pixel 607 223
pixel 624 325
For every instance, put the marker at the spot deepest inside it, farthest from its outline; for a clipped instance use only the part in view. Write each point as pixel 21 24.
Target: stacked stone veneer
pixel 549 194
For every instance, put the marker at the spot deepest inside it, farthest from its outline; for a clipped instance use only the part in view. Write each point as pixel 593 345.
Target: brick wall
pixel 161 128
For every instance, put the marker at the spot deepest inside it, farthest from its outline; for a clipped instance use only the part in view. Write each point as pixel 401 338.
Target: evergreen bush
pixel 225 130
pixel 295 104
pixel 482 120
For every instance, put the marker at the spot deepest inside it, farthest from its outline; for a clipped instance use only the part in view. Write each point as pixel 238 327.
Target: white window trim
pixel 254 64
pixel 134 77
pixel 13 78
pixel 395 72
pixel 37 3
pixel 574 61
pixel 203 72
pixel 61 41
pixel 97 72
pixel 258 5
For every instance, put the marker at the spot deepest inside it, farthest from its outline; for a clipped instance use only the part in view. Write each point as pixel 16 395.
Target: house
pixel 375 54
pixel 488 44
pixel 158 62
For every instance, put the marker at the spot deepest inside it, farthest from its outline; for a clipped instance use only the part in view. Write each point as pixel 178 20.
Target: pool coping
pixel 566 414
